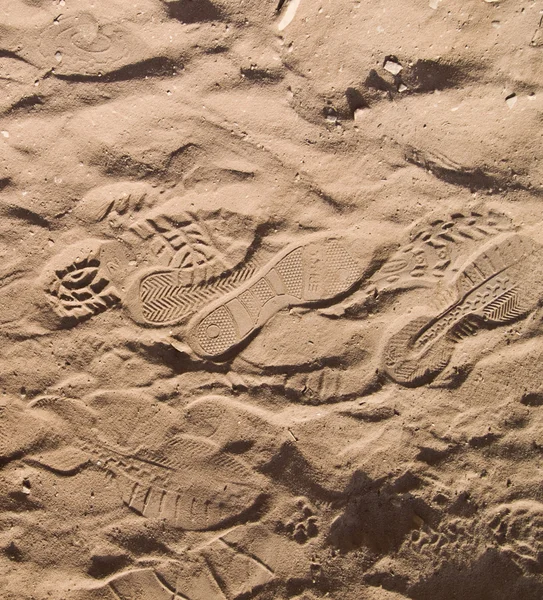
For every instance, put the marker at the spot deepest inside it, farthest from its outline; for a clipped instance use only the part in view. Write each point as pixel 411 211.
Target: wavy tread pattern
pixel 517 528
pixel 454 541
pixel 514 529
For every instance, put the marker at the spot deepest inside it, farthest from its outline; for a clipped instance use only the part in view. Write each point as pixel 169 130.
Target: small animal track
pixel 315 270
pixel 302 524
pixel 499 285
pixel 80 45
pixel 518 530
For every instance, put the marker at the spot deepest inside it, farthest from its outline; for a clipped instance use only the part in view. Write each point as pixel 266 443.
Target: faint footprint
pixel 218 570
pixel 185 480
pixel 115 205
pixel 81 45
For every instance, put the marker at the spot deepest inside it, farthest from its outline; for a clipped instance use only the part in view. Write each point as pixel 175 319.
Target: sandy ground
pixel 270 299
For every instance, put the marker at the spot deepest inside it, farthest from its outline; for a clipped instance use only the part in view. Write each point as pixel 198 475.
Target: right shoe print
pixel 503 282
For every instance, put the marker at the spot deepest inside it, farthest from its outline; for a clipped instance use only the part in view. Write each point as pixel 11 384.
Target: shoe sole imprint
pixel 184 479
pixel 490 292
pixel 79 280
pixel 434 247
pixel 302 274
pixel 218 570
pixel 208 490
pixel 66 44
pixel 167 296
pixel 194 487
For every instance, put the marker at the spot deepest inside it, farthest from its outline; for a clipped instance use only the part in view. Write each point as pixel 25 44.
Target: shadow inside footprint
pixel 193 11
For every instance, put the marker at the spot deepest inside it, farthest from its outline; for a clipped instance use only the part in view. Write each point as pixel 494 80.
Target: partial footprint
pixel 115 205
pixel 161 296
pixel 131 585
pixel 81 45
pixel 186 480
pixel 220 570
pixel 454 540
pixel 236 427
pixel 78 284
pixel 192 261
pixel 436 244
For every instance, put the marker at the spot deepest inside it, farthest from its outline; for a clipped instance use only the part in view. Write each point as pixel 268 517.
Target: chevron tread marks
pixel 317 270
pixel 166 298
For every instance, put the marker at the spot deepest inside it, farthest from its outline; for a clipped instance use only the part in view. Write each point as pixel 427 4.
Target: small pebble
pixel 511 100
pixel 392 66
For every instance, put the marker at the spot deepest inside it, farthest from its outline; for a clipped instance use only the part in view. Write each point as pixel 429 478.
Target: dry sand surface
pixel 271 299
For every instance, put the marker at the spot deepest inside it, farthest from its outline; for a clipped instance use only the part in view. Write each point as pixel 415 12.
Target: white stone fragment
pixel 392 66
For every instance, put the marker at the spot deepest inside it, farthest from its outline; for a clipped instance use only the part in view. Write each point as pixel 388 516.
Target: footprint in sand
pixel 498 285
pixel 83 46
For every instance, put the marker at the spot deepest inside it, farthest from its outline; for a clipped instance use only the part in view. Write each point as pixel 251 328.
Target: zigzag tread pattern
pixel 507 307
pixel 163 302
